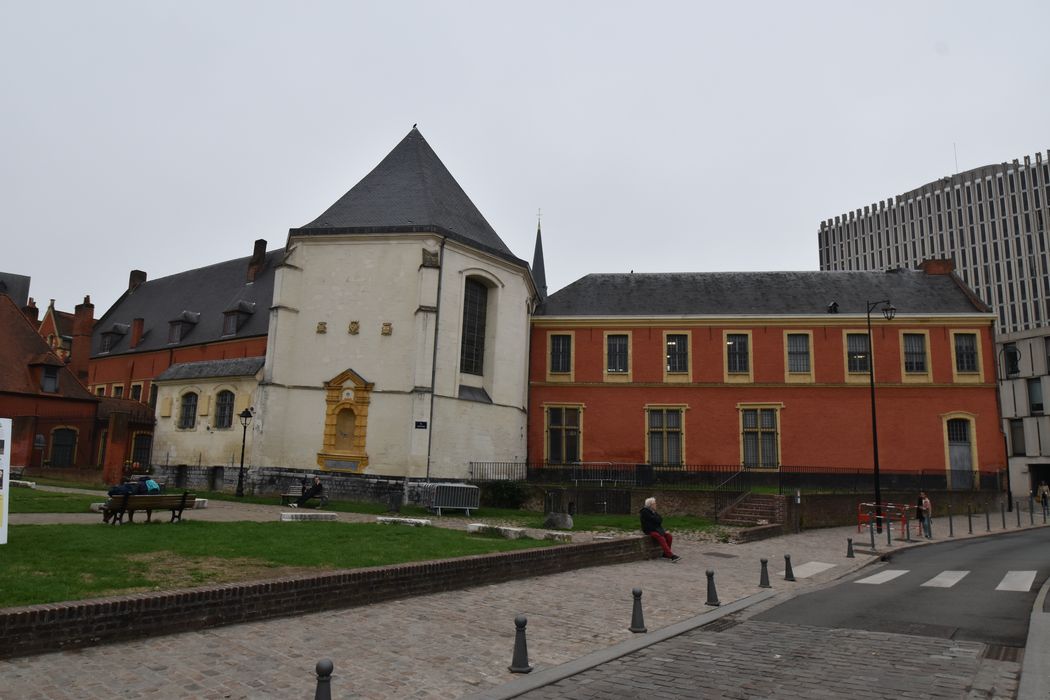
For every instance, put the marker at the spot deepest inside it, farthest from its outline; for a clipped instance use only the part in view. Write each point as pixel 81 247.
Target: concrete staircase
pixel 754 509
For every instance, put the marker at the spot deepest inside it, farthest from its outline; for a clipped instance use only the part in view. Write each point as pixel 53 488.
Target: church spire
pixel 539 275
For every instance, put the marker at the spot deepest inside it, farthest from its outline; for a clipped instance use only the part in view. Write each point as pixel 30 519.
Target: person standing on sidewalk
pixel 927 515
pixel 652 525
pixel 1044 497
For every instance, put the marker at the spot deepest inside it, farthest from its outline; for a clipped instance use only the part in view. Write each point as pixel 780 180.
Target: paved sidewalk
pixel 445 645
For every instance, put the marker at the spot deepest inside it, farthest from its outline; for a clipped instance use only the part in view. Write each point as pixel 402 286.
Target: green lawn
pixel 51 563
pixel 36 501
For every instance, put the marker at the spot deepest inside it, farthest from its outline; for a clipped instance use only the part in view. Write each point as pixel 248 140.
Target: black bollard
pixel 889 534
pixel 871 531
pixel 907 529
pixel 324 670
pixel 849 548
pixel 1002 510
pixel 637 622
pixel 987 519
pixel 1017 510
pixel 712 595
pixel 951 525
pixel 520 662
pixel 1031 511
pixel 789 575
pixel 763 578
pixel 969 519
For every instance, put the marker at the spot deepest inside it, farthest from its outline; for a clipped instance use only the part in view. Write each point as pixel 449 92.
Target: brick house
pixel 765 369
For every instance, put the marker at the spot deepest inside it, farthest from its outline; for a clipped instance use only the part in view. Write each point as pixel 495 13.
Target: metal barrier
pixel 891 513
pixel 454 496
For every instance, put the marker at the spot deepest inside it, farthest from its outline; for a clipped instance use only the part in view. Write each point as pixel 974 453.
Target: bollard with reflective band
pixel 637 622
pixel 324 670
pixel 520 662
pixel 849 548
pixel 763 577
pixel 789 575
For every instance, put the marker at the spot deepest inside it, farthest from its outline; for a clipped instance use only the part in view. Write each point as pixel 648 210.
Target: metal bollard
pixel 520 662
pixel 637 622
pixel 712 595
pixel 1002 509
pixel 969 519
pixel 871 531
pixel 763 579
pixel 324 670
pixel 889 535
pixel 789 575
pixel 1017 510
pixel 1031 511
pixel 907 529
pixel 951 524
pixel 987 519
pixel 849 548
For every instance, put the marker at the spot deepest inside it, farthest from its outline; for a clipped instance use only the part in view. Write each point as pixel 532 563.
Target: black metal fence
pixel 732 478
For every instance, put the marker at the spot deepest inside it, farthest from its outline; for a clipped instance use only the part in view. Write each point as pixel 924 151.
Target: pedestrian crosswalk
pixel 1012 581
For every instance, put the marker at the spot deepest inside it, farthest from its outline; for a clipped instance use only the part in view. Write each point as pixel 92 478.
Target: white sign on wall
pixel 5 475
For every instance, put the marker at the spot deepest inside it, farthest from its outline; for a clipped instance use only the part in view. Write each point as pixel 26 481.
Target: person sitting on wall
pixel 314 491
pixel 652 525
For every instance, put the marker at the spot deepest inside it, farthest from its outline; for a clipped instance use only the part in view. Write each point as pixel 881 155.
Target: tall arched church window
pixel 224 409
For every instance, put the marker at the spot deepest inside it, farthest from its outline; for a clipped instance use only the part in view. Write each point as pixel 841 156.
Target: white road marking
pixel 883 576
pixel 1016 581
pixel 946 579
pixel 810 568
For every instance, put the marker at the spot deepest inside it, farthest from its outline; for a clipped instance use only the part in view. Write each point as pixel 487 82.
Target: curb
pixel 1035 681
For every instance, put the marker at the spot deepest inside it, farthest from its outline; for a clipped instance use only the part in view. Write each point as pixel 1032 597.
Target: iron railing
pixel 732 478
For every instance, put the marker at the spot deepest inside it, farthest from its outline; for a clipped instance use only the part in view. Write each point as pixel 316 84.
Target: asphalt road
pixel 990 603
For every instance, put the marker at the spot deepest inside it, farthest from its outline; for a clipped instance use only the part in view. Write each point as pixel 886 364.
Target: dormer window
pixel 236 315
pixel 107 342
pixel 49 380
pixel 180 326
pixel 111 337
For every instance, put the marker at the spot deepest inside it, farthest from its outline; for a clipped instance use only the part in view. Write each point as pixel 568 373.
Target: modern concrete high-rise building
pixel 992 223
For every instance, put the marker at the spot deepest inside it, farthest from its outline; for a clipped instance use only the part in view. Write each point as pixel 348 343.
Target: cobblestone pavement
pixel 772 660
pixel 451 644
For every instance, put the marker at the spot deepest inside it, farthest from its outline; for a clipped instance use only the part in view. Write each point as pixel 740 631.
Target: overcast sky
pixel 665 136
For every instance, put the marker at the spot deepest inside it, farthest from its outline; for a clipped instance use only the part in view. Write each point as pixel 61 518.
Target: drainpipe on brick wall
pixel 433 359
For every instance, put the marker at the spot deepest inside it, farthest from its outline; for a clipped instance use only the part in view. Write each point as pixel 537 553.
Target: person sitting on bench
pixel 314 491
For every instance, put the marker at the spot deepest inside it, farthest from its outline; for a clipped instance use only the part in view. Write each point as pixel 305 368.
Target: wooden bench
pixel 115 508
pixel 294 493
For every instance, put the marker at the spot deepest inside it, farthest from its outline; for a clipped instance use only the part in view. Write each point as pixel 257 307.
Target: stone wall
pixel 46 628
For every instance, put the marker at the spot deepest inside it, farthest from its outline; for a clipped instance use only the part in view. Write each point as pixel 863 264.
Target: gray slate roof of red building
pixel 208 291
pixel 410 190
pixel 759 293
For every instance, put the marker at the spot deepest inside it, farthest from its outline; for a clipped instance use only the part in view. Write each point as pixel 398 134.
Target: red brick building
pixel 766 370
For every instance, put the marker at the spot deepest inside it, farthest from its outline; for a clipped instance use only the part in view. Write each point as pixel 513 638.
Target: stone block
pixel 391 520
pixel 309 515
pixel 558 536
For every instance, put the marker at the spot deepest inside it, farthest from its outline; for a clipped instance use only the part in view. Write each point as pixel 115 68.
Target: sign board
pixel 421 425
pixel 5 475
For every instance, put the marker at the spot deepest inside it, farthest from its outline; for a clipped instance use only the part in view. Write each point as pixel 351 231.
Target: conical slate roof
pixel 410 190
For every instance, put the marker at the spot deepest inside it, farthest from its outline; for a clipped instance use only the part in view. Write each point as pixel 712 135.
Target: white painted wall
pixel 204 444
pixel 380 279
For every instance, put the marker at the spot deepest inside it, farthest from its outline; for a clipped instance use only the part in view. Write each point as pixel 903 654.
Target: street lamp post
pixel 1009 357
pixel 246 419
pixel 888 311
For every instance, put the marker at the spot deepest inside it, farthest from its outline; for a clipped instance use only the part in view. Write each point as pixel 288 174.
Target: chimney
pixel 83 322
pixel 136 278
pixel 136 331
pixel 31 311
pixel 255 265
pixel 937 266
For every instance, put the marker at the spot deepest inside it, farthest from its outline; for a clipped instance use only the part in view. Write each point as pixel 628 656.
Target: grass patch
pixel 34 501
pixel 51 563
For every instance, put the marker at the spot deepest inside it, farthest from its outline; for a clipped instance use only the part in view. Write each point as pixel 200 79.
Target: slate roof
pixel 410 190
pixel 16 287
pixel 207 291
pixel 213 369
pixel 21 347
pixel 759 293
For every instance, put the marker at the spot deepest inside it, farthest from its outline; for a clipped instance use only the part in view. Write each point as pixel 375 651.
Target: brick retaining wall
pixel 52 627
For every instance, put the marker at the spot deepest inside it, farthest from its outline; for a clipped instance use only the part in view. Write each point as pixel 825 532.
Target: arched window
pixel 224 409
pixel 188 411
pixel 475 311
